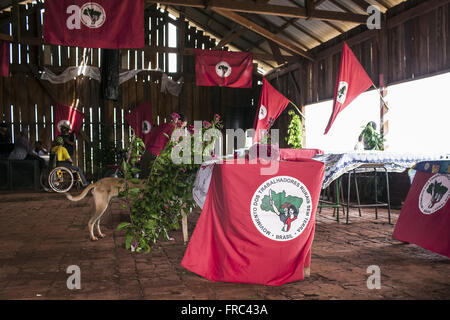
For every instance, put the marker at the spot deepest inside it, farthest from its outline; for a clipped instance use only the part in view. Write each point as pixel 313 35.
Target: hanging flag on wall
pixel 108 24
pixel 140 119
pixel 67 115
pixel 352 80
pixel 223 68
pixel 4 58
pixel 271 105
pixel 425 216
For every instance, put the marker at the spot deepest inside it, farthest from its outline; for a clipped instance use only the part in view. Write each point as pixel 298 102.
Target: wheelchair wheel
pixel 61 179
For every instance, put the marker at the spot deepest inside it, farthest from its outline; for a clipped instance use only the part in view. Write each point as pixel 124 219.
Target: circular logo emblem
pixel 65 123
pixel 435 193
pixel 92 15
pixel 223 69
pixel 262 112
pixel 281 208
pixel 146 127
pixel 342 92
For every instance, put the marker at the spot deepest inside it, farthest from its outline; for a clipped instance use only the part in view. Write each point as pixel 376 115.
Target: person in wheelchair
pixel 63 159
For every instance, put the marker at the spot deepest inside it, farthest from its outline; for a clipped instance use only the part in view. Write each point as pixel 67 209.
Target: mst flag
pixel 271 105
pixel 352 80
pixel 69 116
pixel 140 119
pixel 4 58
pixel 108 24
pixel 223 68
pixel 257 228
pixel 425 216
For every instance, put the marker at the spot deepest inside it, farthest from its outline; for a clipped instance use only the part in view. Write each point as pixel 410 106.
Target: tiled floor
pixel 42 234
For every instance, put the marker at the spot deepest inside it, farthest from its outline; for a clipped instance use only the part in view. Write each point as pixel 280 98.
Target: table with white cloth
pixel 337 164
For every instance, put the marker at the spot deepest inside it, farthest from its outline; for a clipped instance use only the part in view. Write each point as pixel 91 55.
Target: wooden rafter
pixel 265 9
pixel 263 32
pixel 230 37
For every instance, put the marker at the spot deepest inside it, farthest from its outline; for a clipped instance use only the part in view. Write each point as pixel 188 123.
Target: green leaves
pixel 123 225
pixel 295 131
pixel 156 208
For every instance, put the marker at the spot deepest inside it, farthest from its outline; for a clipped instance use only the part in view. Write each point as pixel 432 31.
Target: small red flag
pixel 67 115
pixel 4 58
pixel 352 80
pixel 158 138
pixel 271 105
pixel 223 68
pixel 108 24
pixel 140 119
pixel 425 216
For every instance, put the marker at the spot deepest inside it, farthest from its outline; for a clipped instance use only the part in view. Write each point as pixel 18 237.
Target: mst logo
pixel 91 14
pixel 223 69
pixel 281 208
pixel 435 193
pixel 146 127
pixel 342 92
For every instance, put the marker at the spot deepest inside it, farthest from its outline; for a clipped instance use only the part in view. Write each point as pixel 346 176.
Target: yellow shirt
pixel 61 153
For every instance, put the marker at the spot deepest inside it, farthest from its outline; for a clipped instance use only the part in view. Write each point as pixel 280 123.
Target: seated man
pixel 63 159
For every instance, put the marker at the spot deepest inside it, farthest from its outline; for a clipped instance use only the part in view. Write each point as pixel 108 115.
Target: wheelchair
pixel 59 178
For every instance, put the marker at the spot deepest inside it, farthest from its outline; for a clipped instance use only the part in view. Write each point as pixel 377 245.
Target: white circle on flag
pixel 64 123
pixel 281 208
pixel 223 69
pixel 342 92
pixel 92 15
pixel 146 127
pixel 435 193
pixel 262 112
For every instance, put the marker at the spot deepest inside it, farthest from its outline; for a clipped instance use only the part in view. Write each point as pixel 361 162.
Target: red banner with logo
pixel 223 68
pixel 4 58
pixel 256 228
pixel 69 116
pixel 271 105
pixel 425 216
pixel 140 119
pixel 109 24
pixel 352 80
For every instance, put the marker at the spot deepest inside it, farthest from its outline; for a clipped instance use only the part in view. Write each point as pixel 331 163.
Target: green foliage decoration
pixel 155 210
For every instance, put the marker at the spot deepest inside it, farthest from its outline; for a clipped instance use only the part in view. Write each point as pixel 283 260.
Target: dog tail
pixel 81 195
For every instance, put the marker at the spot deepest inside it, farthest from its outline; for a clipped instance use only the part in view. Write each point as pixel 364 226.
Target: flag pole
pixel 297 109
pixel 381 96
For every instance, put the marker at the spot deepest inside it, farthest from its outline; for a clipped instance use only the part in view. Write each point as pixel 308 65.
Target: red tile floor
pixel 42 234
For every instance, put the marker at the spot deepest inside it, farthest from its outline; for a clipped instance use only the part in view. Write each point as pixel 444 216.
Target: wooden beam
pixel 416 11
pixel 230 37
pixel 263 32
pixel 276 52
pixel 266 9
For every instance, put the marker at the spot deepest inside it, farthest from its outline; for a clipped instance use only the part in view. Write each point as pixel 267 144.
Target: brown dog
pixel 103 191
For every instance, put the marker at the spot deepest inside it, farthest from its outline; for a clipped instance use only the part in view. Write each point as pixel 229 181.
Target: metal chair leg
pixel 357 193
pixel 348 195
pixel 376 195
pixel 337 199
pixel 388 196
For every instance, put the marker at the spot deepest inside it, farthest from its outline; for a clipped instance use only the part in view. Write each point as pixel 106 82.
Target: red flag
pixel 256 228
pixel 271 105
pixel 4 58
pixel 223 68
pixel 158 138
pixel 67 115
pixel 425 216
pixel 140 119
pixel 100 24
pixel 352 80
